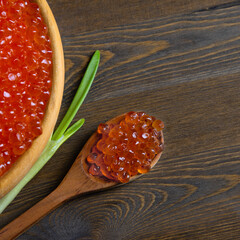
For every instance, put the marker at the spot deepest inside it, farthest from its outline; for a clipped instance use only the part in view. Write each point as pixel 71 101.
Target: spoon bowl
pixel 77 182
pixel 92 140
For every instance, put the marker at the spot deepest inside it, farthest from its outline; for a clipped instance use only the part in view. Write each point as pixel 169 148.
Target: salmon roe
pixel 126 149
pixel 25 77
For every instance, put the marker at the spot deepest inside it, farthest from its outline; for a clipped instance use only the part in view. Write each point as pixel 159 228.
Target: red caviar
pixel 127 148
pixel 25 77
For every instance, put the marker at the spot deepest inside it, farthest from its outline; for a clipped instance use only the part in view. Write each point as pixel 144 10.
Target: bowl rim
pixel 25 162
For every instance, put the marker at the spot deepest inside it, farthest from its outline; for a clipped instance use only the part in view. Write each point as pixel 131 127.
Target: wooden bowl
pixel 19 169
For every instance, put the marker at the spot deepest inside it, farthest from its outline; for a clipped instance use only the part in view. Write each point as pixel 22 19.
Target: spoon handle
pixel 75 183
pixel 31 216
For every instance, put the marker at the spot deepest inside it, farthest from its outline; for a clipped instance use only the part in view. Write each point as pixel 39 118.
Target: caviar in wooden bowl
pixel 32 80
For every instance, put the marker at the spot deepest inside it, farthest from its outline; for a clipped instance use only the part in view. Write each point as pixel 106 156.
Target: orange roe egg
pixel 127 148
pixel 25 77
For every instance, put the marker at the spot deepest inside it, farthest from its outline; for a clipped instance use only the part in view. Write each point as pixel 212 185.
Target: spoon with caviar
pixel 119 151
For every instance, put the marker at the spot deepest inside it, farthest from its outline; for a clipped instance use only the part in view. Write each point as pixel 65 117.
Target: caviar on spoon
pixel 92 172
pixel 125 147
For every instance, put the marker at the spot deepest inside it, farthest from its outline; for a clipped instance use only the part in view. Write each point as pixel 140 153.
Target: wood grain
pixel 80 16
pixel 181 68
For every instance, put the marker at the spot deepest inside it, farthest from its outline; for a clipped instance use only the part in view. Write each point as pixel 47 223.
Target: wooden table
pixel 179 61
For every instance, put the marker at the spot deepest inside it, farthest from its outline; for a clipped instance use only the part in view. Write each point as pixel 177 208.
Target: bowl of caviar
pixel 32 81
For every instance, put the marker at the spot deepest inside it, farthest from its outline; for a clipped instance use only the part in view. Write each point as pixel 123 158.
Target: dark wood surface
pixel 179 61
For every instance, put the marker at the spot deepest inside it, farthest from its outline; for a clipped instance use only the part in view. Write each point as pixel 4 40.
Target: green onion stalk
pixel 61 134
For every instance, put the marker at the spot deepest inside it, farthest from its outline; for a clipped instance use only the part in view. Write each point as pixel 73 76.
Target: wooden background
pixel 178 60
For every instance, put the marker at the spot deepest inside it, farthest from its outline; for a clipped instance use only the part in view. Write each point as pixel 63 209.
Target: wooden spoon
pixel 77 182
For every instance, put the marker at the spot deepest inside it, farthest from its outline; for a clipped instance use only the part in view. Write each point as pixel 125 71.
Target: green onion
pixel 61 134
